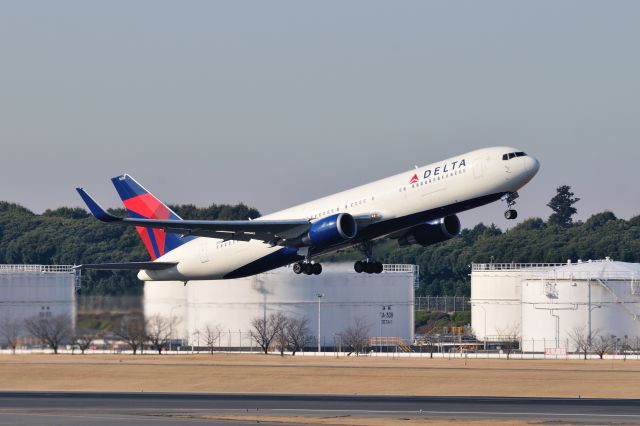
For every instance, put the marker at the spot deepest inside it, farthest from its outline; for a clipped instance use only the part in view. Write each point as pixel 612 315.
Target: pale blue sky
pixel 276 103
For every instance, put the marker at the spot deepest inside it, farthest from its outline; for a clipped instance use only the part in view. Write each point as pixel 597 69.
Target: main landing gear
pixel 510 198
pixel 368 265
pixel 307 268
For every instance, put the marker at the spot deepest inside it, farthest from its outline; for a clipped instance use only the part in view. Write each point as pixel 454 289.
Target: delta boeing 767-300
pixel 414 207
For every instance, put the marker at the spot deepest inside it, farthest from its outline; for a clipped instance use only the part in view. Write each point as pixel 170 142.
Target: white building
pixel 385 302
pixel 37 290
pixel 545 305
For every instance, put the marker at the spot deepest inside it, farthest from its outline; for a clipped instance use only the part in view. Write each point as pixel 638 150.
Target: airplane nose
pixel 532 165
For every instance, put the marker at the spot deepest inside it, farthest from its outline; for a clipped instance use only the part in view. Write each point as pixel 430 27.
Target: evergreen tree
pixel 562 206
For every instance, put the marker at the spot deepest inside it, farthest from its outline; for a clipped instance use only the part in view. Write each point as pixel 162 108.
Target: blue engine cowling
pixel 432 232
pixel 332 230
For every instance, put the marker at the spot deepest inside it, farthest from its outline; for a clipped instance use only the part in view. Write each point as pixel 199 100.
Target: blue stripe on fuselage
pixel 282 257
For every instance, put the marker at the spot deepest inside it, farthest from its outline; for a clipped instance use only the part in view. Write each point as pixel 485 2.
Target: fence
pixel 442 303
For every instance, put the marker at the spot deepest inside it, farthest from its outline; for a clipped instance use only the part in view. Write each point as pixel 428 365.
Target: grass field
pixel 321 375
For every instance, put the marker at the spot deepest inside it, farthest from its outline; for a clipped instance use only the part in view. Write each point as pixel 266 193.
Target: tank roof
pixel 590 269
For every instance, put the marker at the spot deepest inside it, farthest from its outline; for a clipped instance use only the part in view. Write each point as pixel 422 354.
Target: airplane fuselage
pixel 396 203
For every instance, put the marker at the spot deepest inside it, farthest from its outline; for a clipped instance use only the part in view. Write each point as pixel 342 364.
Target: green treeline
pixel 71 236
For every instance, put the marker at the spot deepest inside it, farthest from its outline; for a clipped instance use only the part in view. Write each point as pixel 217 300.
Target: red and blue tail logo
pixel 141 204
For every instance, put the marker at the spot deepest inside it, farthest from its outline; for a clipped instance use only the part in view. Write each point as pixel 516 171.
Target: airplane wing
pixel 128 266
pixel 270 231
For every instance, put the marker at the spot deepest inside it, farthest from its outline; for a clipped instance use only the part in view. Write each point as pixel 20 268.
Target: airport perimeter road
pixel 75 408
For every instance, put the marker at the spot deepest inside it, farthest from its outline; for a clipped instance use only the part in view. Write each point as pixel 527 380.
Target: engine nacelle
pixel 432 232
pixel 331 230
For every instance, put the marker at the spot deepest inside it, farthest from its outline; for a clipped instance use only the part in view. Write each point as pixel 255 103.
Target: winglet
pixel 96 210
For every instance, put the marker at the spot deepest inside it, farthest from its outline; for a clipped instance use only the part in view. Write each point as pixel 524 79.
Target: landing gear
pixel 510 214
pixel 307 267
pixel 317 269
pixel 368 265
pixel 510 198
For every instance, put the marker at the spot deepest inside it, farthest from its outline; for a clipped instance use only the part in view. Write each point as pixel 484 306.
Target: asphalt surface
pixel 81 408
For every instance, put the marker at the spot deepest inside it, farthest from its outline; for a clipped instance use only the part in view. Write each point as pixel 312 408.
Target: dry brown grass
pixel 372 421
pixel 321 375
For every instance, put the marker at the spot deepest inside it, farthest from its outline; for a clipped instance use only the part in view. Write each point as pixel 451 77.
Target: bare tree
pixel 356 336
pixel 509 339
pixel 431 341
pixel 10 332
pixel 265 330
pixel 160 331
pixel 581 340
pixel 297 334
pixel 82 341
pixel 211 336
pixel 281 338
pixel 635 345
pixel 625 347
pixel 132 331
pixel 601 345
pixel 51 331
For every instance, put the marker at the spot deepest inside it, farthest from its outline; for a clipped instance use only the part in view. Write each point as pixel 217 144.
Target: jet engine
pixel 331 230
pixel 431 232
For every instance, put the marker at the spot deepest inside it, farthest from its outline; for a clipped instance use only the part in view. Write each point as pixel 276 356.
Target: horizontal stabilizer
pixel 149 266
pixel 271 231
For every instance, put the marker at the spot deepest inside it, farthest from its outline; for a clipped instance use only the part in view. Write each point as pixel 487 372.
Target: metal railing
pixel 37 268
pixel 442 303
pixel 476 267
pixel 394 267
pixel 516 266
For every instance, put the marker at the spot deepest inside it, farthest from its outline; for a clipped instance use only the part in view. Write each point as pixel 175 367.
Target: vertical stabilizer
pixel 141 204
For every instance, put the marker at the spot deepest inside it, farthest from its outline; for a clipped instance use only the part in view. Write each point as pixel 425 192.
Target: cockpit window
pixel 511 155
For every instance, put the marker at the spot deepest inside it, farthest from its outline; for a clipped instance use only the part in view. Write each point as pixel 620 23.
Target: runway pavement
pixel 76 408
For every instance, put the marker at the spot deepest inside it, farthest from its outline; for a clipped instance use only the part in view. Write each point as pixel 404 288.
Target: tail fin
pixel 140 203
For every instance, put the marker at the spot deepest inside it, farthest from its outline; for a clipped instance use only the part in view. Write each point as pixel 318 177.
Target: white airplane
pixel 414 207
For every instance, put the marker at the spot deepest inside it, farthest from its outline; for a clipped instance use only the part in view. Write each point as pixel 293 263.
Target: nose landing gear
pixel 510 198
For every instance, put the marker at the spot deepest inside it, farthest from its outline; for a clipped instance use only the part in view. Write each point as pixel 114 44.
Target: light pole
pixel 172 320
pixel 380 341
pixel 319 296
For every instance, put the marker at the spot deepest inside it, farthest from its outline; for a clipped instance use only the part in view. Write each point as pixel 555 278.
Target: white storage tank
pixel 37 290
pixel 385 302
pixel 599 298
pixel 496 295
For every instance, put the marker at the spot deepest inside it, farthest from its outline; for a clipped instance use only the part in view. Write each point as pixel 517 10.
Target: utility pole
pixel 319 296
